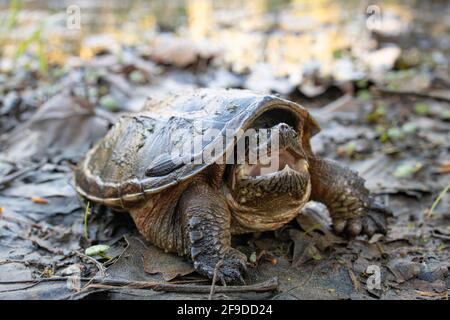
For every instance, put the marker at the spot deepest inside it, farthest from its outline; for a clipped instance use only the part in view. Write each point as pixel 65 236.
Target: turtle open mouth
pixel 289 173
pixel 276 181
pixel 281 155
pixel 287 162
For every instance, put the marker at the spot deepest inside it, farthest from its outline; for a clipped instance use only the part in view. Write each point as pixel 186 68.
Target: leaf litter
pixel 384 116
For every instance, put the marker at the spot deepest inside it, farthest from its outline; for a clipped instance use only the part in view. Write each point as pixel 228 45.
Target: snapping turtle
pixel 189 187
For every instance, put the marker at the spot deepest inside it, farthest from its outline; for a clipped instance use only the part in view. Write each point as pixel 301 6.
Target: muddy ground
pixel 388 118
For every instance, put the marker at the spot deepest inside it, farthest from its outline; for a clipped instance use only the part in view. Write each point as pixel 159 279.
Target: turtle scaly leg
pixel 350 204
pixel 205 219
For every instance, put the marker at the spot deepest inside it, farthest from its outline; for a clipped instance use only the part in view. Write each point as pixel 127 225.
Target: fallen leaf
pixel 403 269
pixel 304 248
pixel 137 76
pixel 435 286
pixel 167 264
pixel 445 115
pixel 97 250
pixel 62 126
pixel 315 221
pixel 402 233
pixel 178 51
pixel 109 103
pixel 52 188
pixel 407 170
pixel 421 108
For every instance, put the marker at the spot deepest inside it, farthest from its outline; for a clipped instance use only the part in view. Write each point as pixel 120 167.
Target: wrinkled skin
pixel 243 199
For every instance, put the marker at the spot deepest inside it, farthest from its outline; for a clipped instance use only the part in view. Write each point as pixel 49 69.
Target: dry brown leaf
pixel 168 265
pixel 403 269
pixel 428 286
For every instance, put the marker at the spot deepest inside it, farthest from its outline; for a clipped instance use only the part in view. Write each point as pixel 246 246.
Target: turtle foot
pixel 229 269
pixel 375 221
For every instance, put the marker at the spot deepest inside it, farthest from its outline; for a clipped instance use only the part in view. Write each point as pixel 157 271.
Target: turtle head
pixel 273 181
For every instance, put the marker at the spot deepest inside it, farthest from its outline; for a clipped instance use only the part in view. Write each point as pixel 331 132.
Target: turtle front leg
pixel 350 204
pixel 205 218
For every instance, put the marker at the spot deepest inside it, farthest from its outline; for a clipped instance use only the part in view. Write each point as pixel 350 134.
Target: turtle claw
pixel 243 265
pixel 234 266
pixel 375 221
pixel 354 227
pixel 231 270
pixel 242 280
pixel 339 225
pixel 222 280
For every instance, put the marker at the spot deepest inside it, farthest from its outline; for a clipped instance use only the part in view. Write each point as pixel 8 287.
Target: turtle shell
pixel 138 156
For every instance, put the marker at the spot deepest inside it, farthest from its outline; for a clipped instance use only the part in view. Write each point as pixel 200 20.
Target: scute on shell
pixel 114 170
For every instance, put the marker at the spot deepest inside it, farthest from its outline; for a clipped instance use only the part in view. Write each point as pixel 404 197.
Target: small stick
pixel 266 286
pixel 438 199
pixel 85 224
pixel 214 279
pixel 352 276
pixel 269 285
pixel 99 266
pixel 428 95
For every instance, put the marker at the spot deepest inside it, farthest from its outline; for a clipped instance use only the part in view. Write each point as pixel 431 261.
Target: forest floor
pixel 391 124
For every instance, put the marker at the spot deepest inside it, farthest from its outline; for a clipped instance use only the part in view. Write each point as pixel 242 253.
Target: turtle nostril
pixel 283 126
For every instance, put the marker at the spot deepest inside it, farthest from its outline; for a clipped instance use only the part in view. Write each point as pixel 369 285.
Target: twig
pixel 353 277
pixel 85 224
pixel 428 95
pixel 34 282
pixel 266 286
pixel 99 266
pixel 438 199
pixel 60 279
pixel 214 279
pixel 269 285
pixel 38 242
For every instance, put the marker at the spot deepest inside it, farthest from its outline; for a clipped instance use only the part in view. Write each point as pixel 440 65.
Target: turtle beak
pixel 302 165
